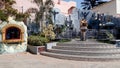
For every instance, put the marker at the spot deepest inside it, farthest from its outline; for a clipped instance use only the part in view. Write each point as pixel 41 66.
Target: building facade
pixel 111 11
pixel 109 8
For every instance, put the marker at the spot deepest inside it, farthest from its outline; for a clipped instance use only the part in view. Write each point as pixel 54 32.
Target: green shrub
pixel 3 16
pixel 43 39
pixel 110 36
pixel 37 40
pixel 34 40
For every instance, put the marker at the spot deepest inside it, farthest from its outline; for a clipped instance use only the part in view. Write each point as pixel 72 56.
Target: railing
pixel 91 33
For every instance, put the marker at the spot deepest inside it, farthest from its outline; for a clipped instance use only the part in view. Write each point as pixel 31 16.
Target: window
pixel 12 33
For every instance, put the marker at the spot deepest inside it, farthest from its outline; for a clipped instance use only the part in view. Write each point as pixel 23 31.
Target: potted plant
pixel 36 44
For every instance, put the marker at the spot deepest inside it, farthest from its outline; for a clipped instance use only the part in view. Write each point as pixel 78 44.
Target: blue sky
pixel 79 1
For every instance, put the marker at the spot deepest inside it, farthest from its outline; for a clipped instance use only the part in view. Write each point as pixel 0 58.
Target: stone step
pixel 87 45
pixel 85 53
pixel 89 50
pixel 81 43
pixel 86 48
pixel 81 58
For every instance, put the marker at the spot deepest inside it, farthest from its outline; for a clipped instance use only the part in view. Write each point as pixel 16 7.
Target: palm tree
pixel 44 13
pixel 88 4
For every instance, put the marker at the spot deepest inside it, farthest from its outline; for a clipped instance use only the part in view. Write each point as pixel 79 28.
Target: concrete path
pixel 27 60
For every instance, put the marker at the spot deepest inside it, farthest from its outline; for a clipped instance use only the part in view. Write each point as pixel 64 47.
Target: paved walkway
pixel 27 60
pixel 88 41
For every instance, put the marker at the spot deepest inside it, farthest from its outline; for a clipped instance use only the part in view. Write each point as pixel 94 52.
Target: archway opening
pixel 12 33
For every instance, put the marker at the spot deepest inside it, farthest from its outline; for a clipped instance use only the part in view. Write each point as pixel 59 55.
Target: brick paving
pixel 27 60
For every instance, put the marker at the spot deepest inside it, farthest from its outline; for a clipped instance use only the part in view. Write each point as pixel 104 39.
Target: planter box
pixel 117 43
pixel 50 45
pixel 36 49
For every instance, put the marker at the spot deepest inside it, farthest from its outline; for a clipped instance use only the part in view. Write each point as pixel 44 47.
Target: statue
pixel 83 29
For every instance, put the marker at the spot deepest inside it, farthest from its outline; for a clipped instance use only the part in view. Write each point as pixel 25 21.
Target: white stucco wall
pixel 75 20
pixel 64 6
pixel 118 6
pixel 23 6
pixel 107 8
pixel 7 48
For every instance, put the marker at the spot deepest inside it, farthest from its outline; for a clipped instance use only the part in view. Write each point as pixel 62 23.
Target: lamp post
pixel 100 25
pixel 54 14
pixel 70 27
pixel 22 9
pixel 78 14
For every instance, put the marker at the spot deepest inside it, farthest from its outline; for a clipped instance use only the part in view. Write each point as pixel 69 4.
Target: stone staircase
pixel 84 51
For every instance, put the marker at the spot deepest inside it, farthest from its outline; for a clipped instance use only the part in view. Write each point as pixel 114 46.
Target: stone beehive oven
pixel 13 37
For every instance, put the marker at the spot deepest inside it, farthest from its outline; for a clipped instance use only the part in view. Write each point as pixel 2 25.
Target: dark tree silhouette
pixel 88 4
